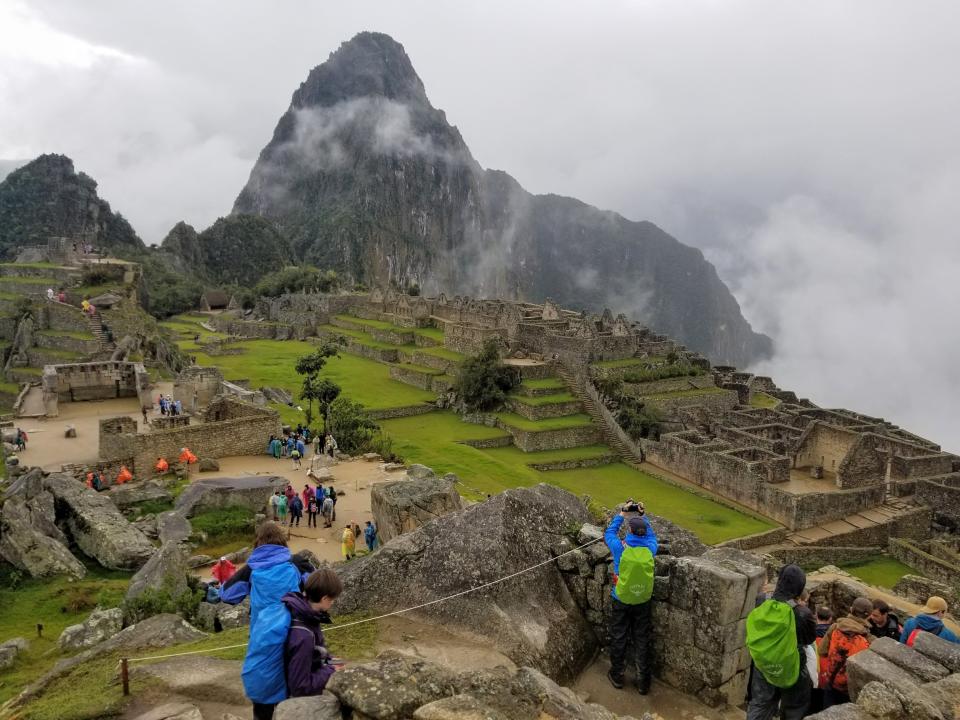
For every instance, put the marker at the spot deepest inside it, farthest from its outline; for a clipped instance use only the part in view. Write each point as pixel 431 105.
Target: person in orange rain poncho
pixel 162 465
pixel 187 457
pixel 124 475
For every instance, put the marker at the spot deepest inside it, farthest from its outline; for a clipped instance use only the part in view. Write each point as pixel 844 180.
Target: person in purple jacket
pixel 307 662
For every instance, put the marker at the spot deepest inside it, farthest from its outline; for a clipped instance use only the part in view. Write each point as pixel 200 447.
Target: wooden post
pixel 39 630
pixel 125 676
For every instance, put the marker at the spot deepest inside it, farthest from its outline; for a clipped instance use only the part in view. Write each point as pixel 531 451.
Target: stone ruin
pixel 94 381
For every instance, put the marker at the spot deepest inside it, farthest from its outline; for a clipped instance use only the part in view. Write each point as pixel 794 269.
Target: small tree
pixel 639 421
pixel 350 425
pixel 324 391
pixel 484 381
pixel 310 366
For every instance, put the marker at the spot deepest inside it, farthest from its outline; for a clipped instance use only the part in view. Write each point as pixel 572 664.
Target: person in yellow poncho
pixel 347 543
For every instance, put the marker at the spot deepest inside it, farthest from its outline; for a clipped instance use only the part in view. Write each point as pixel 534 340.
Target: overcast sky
pixel 811 149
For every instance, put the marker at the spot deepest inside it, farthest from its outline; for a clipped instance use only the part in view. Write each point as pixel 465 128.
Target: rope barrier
pixel 389 614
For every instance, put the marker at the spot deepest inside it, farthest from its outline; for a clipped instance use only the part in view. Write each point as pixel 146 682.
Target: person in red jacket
pixel 309 665
pixel 223 570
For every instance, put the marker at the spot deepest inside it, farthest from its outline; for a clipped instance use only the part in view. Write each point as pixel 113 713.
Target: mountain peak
pixel 369 64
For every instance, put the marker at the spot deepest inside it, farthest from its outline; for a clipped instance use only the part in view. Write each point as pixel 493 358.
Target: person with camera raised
pixel 632 590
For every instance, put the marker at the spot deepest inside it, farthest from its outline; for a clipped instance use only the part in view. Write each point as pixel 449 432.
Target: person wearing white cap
pixel 929 620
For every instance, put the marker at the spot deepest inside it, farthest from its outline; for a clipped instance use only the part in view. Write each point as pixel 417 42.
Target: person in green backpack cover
pixel 778 630
pixel 633 587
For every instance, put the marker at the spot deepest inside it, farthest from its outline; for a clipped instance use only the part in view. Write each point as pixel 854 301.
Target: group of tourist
pixel 348 541
pixel 169 406
pixel 800 656
pixel 60 296
pixel 287 507
pixel 21 440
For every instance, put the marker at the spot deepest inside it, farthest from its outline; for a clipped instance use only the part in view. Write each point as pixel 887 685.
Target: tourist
pixel 312 510
pixel 289 492
pixel 178 406
pixel 295 454
pixel 213 592
pixel 21 441
pixel 162 402
pixel 145 420
pixel 328 511
pixel 331 445
pixel 85 306
pixel 97 481
pixel 296 510
pixel 281 508
pixel 776 641
pixel 318 444
pixel 270 573
pixel 223 570
pixel 62 297
pixel 884 623
pixel 370 536
pixel 309 665
pixel 301 448
pixel 50 294
pixel 274 501
pixel 929 620
pixel 291 445
pixel 348 542
pixel 90 480
pixel 631 612
pixel 824 620
pixel 845 638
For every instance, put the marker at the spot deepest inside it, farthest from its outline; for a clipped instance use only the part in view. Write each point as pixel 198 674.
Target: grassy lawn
pixel 881 571
pixel 545 384
pixel 762 400
pixel 442 352
pixel 629 362
pixel 51 281
pixel 427 332
pixel 56 603
pixel 514 455
pixel 537 400
pixel 692 392
pixel 271 362
pixel 187 326
pixel 9 387
pixel 365 338
pixel 422 369
pixel 75 334
pixel 560 423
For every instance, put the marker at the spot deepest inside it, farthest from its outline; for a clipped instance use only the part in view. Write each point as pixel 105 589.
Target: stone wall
pixel 530 441
pixel 252 328
pixel 824 445
pixel 405 411
pixel 714 402
pixel 917 557
pixel 700 605
pixel 94 381
pixel 196 386
pixel 411 376
pixel 817 557
pixel 943 495
pixel 542 412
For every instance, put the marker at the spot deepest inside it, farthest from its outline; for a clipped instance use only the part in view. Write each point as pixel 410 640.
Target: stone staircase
pixel 96 327
pixel 610 436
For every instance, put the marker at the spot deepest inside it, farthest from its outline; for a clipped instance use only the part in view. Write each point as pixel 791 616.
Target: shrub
pixel 484 381
pixel 224 522
pixel 154 601
pixel 662 372
pixel 351 426
pixel 639 421
pixel 79 598
pixel 296 279
pixel 609 387
pixel 382 444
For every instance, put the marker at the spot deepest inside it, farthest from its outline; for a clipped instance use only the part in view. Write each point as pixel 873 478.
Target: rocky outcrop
pixel 10 650
pixel 531 619
pixel 97 526
pixel 99 626
pixel 318 707
pixel 25 547
pixel 172 711
pixel 166 570
pixel 396 687
pixel 400 506
pixel 216 617
pixel 195 677
pixel 362 168
pixel 172 527
pixel 251 492
pixel 130 494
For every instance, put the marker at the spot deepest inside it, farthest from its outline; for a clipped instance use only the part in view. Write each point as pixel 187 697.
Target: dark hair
pixel 824 613
pixel 322 583
pixel 270 533
pixel 881 605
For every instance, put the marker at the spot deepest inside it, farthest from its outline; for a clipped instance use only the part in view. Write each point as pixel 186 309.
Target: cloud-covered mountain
pixel 366 177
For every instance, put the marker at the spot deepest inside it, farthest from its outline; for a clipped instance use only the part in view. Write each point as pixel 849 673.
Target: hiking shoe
pixel 643 687
pixel 615 680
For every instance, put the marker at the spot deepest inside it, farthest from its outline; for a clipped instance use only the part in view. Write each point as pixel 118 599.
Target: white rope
pixel 389 614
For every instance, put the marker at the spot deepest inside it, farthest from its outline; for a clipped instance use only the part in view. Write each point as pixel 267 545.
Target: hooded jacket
pixel 851 625
pixel 930 624
pixel 305 656
pixel 790 584
pixel 890 629
pixel 268 575
pixel 612 538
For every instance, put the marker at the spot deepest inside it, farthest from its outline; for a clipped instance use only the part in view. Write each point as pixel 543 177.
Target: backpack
pixel 634 584
pixel 842 647
pixel 313 505
pixel 772 642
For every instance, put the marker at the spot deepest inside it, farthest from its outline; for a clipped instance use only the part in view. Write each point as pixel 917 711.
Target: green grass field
pixel 75 334
pixel 762 400
pixel 692 392
pixel 559 423
pixel 545 384
pixel 537 400
pixel 55 603
pixel 628 362
pixel 881 571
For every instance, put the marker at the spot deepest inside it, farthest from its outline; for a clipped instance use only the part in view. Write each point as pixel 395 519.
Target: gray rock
pixel 10 650
pixel 25 547
pixel 172 527
pixel 941 651
pixel 196 677
pixel 27 485
pixel 880 702
pixel 371 457
pixel 393 467
pixel 532 619
pixel 172 711
pixel 458 707
pixel 208 465
pixel 195 561
pixel 99 626
pixel 400 506
pixel 712 593
pixel 847 711
pixel 97 527
pixel 945 695
pixel 419 472
pixel 147 525
pixel 166 570
pixel 318 707
pixel 70 432
pixel 867 666
pixel 214 617
pixel 588 533
pixel 909 659
pixel 129 494
pixel 251 492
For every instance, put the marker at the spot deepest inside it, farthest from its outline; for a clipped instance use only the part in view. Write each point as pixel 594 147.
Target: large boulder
pixel 397 687
pixel 251 492
pixel 96 525
pixel 172 527
pixel 130 494
pixel 27 548
pixel 208 465
pixel 196 677
pixel 172 711
pixel 531 618
pixel 216 617
pixel 165 571
pixel 316 707
pixel 10 650
pixel 400 506
pixel 939 650
pixel 99 626
pixel 909 659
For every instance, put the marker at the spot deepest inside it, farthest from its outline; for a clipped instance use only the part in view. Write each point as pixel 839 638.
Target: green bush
pixel 296 279
pixel 639 421
pixel 224 522
pixel 483 381
pixel 351 426
pixel 382 444
pixel 153 601
pixel 662 372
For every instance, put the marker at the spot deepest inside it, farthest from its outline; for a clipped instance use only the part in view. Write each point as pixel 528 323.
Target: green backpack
pixel 772 641
pixel 635 581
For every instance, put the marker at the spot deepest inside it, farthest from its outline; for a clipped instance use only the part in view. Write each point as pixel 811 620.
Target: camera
pixel 631 506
